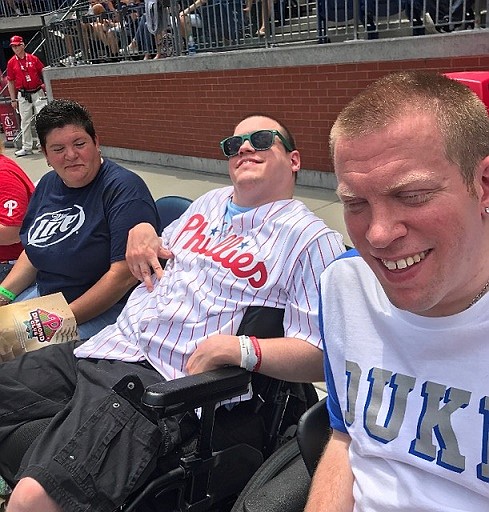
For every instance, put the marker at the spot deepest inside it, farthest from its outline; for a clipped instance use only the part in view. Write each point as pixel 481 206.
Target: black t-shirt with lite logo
pixel 72 235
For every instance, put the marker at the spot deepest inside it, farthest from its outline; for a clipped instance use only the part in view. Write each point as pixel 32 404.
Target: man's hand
pixel 214 352
pixel 142 253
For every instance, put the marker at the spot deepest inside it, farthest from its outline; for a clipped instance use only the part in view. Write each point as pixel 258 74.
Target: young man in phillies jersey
pixel 406 318
pixel 249 244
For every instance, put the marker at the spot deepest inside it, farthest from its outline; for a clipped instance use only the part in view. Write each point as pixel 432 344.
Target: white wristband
pixel 248 357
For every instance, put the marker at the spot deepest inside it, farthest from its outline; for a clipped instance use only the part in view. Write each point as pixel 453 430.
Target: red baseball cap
pixel 16 40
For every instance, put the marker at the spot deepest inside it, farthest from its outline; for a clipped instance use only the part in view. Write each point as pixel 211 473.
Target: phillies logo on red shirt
pixel 242 264
pixel 10 206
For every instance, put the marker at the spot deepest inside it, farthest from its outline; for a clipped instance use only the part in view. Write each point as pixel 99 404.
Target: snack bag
pixel 35 323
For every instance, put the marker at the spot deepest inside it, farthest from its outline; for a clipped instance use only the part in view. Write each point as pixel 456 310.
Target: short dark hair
pixel 60 113
pixel 283 128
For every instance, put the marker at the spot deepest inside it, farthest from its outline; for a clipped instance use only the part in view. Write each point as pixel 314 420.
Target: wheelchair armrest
pixel 194 391
pixel 313 433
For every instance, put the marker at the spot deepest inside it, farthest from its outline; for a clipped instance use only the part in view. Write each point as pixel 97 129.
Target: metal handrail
pixel 221 26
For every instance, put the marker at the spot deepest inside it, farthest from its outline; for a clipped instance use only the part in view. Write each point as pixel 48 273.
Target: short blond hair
pixel 458 112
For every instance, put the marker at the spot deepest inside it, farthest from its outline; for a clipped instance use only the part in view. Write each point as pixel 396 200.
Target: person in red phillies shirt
pixel 26 88
pixel 15 192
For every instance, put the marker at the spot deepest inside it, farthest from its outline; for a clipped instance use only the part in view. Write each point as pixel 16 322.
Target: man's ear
pixel 295 160
pixel 482 181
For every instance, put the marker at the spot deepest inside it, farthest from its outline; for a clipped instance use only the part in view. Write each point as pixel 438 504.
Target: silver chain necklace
pixel 479 295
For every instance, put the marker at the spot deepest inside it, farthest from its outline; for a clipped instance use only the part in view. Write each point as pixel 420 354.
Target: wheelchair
pixel 282 483
pixel 208 472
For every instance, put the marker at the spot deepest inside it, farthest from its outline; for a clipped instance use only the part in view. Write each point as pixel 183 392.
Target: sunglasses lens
pixel 231 145
pixel 262 140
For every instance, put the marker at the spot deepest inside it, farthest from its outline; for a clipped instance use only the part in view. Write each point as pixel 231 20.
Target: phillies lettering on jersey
pixel 10 206
pixel 225 252
pixel 53 227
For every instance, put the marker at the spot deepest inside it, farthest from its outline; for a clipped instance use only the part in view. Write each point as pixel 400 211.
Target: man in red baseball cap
pixel 26 88
pixel 16 40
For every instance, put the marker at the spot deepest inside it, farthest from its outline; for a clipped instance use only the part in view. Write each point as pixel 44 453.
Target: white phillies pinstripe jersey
pixel 270 256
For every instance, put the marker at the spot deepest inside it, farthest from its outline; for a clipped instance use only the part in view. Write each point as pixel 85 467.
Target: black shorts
pixel 101 444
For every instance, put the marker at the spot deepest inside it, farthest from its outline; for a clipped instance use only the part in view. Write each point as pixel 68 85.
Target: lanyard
pixel 21 65
pixel 24 67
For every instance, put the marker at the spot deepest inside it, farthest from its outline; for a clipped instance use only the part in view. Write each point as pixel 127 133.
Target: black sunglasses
pixel 261 140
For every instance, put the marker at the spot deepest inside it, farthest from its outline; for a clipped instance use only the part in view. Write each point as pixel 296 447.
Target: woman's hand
pixel 143 252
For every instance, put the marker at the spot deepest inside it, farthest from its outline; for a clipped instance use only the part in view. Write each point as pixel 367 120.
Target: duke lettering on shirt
pixel 390 392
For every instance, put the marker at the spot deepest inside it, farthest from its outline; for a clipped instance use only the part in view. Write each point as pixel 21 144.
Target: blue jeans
pixel 144 39
pixel 5 268
pixel 222 19
pixel 87 329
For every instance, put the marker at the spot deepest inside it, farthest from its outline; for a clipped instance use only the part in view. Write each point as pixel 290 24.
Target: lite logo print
pixel 52 227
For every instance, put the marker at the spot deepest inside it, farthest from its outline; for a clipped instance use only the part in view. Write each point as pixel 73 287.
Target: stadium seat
pixel 170 208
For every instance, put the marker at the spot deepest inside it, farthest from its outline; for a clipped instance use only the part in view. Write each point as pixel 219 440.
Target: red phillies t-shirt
pixel 15 192
pixel 26 73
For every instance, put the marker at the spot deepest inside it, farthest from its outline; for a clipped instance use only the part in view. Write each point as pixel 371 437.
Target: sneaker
pixel 23 152
pixel 132 49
